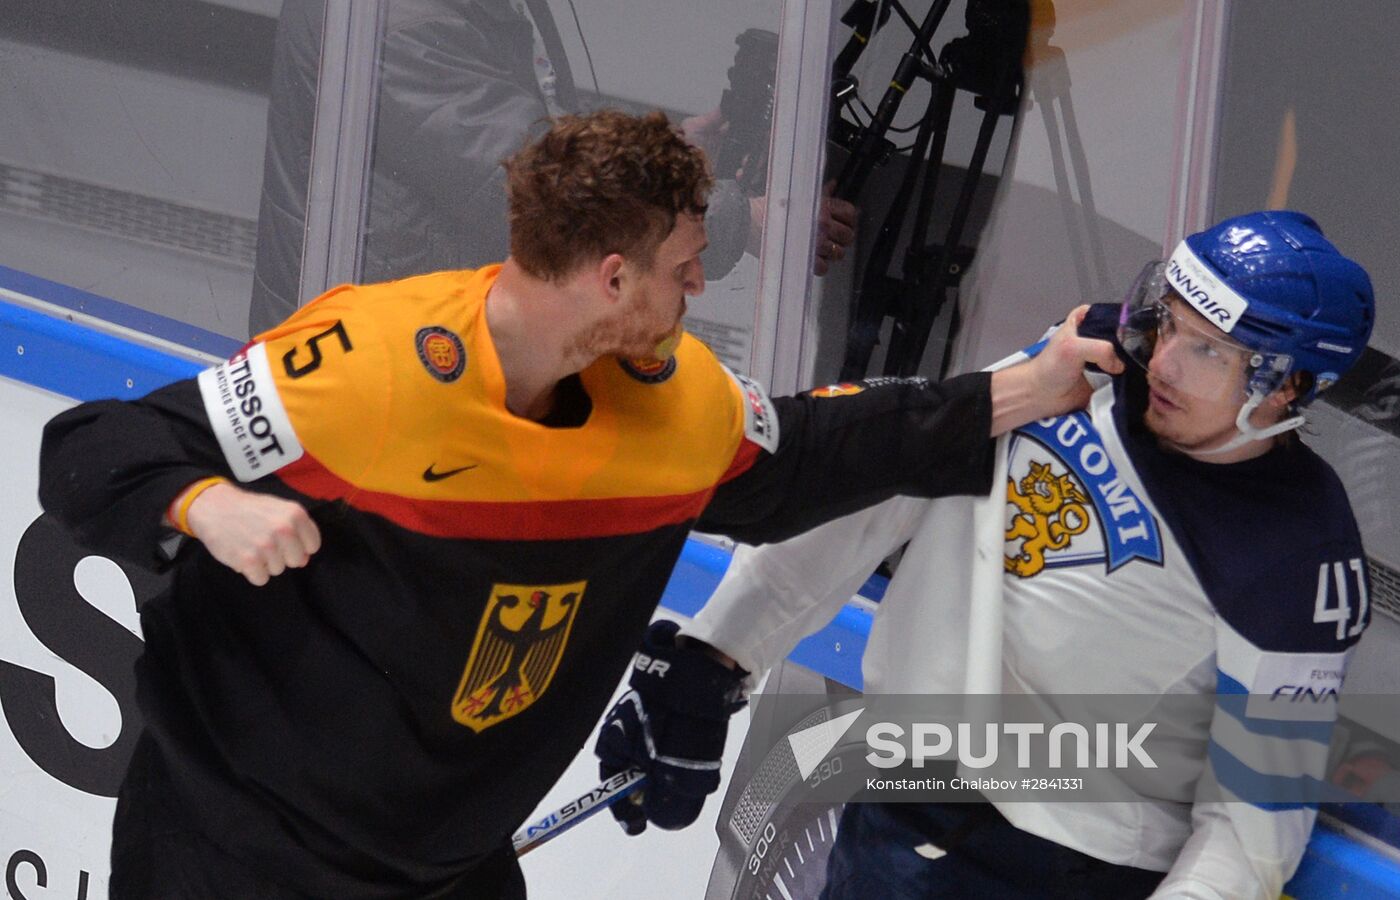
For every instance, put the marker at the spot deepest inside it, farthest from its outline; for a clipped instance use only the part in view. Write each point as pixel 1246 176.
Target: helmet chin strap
pixel 1246 430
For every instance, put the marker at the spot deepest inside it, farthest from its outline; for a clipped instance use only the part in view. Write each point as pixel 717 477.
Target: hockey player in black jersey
pixel 431 519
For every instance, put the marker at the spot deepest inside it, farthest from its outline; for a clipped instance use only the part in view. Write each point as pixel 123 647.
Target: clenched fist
pixel 256 535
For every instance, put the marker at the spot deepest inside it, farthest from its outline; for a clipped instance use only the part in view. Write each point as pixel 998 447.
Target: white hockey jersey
pixel 1102 564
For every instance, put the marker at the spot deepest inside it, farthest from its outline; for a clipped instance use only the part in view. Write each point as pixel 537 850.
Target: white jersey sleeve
pixel 1237 852
pixel 775 595
pixel 1268 748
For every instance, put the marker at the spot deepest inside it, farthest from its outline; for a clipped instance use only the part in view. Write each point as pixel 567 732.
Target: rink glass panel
pixel 456 94
pixel 1307 122
pixel 132 157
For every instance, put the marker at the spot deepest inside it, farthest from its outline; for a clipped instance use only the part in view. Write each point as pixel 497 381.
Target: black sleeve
pixel 109 469
pixel 840 454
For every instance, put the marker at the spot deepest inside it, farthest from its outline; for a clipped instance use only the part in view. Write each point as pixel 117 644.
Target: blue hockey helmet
pixel 1275 284
pixel 1276 291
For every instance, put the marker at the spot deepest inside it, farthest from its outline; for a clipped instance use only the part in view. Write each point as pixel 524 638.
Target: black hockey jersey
pixel 373 724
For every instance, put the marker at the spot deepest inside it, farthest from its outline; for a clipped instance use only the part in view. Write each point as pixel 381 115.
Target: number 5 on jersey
pixel 314 344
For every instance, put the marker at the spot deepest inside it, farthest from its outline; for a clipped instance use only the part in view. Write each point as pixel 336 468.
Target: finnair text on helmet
pixel 1067 744
pixel 1204 290
pixel 1189 289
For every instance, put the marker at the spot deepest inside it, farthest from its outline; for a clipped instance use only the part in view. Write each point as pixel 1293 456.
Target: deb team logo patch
pixel 519 642
pixel 649 371
pixel 1060 484
pixel 844 389
pixel 441 353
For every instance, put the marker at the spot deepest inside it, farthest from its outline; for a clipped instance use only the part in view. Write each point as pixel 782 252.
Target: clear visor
pixel 1182 350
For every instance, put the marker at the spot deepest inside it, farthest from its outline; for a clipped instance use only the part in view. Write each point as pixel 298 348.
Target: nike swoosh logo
pixel 429 474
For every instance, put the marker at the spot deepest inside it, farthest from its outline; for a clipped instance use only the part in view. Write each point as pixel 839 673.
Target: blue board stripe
pixel 1336 867
pixel 118 313
pixel 80 362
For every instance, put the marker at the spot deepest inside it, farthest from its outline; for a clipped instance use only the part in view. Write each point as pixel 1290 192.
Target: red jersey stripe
pixel 744 459
pixel 504 521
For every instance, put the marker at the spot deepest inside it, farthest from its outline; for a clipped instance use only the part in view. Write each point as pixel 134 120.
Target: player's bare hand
pixel 836 229
pixel 1053 382
pixel 256 535
pixel 1060 366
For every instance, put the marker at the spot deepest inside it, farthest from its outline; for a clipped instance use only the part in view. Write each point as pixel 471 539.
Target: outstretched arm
pixel 847 447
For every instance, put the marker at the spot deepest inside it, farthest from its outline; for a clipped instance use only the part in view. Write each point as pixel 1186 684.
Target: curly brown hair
pixel 601 183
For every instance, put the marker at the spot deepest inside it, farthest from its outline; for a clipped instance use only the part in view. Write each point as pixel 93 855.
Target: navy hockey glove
pixel 671 725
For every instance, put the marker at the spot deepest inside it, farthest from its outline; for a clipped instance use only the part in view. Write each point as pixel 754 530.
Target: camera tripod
pixel 985 62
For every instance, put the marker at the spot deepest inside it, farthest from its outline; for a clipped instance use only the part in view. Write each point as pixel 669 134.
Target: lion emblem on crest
pixel 1048 511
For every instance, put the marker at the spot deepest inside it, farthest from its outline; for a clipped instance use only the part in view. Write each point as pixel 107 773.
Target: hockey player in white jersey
pixel 1176 538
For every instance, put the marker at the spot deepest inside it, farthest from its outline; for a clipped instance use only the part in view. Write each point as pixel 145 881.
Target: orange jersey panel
pixel 397 397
